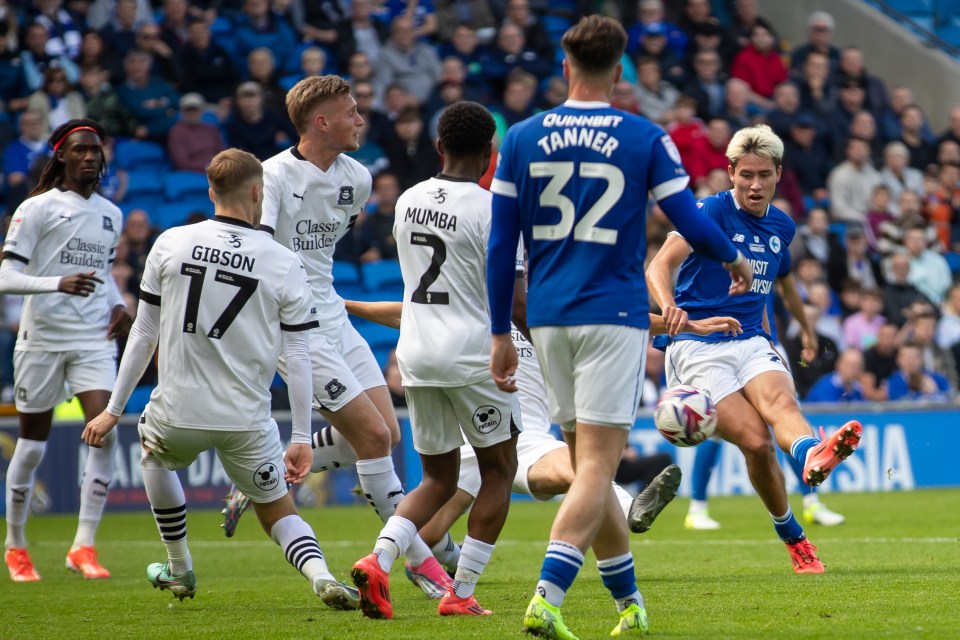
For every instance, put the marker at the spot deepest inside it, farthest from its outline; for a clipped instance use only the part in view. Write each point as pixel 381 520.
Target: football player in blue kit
pixel 575 180
pixel 745 375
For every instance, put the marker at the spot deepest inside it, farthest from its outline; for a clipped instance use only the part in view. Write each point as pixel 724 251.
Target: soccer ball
pixel 685 416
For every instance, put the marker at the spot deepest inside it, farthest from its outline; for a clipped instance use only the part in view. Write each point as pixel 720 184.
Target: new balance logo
pixel 738 237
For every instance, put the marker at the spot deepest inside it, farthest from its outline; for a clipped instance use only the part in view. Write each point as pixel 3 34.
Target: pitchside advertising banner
pixel 902 449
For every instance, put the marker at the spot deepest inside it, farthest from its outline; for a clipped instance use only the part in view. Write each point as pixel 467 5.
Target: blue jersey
pixel 580 174
pixel 702 284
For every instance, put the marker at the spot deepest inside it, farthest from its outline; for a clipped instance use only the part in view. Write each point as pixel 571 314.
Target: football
pixel 685 416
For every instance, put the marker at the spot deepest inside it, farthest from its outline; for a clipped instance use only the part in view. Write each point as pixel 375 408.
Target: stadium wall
pixel 903 448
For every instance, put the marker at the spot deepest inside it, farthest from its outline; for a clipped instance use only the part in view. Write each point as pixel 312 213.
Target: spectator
pixel 943 204
pixel 813 238
pixel 911 381
pixel 254 128
pixel 64 37
pixel 707 85
pixel 260 28
pixel 556 93
pixel 929 271
pixel 806 157
pixel 657 96
pixel 786 109
pixel 262 69
pixel 207 67
pixel 686 129
pixel 535 33
pixel 360 33
pixel 880 213
pixel 192 142
pixel 56 101
pixel 21 155
pixel 378 123
pixel 34 60
pixel 651 12
pixel 717 180
pixel 805 375
pixel 510 53
pixel 710 151
pixel 101 12
pixel 746 14
pixel 421 14
pixel 120 34
pixel 851 182
pixel 165 64
pixel 375 238
pixel 851 67
pixel 313 62
pixel 654 45
pixel 115 181
pixel 880 361
pixel 807 271
pixel 103 105
pixel 413 157
pixel 952 132
pixel 518 101
pixel 820 26
pixel 817 94
pixel 898 293
pixel 697 18
pixel 891 233
pixel 860 329
pixel 359 68
pixel 451 88
pixel 318 20
pixel 849 103
pixel 150 100
pixel 935 357
pixel 948 152
pixel 897 173
pixel 760 66
pixel 140 236
pixel 370 154
pixel 465 45
pixel 889 120
pixel 475 14
pixel 737 109
pixel 923 151
pixel 854 262
pixel 175 25
pixel 413 65
pixel 864 126
pixel 842 385
pixel 94 53
pixel 828 324
pixel 948 331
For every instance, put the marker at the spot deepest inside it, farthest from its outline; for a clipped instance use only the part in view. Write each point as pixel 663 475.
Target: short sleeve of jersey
pixel 150 284
pixel 504 183
pixel 24 233
pixel 297 309
pixel 271 199
pixel 364 188
pixel 667 176
pixel 707 207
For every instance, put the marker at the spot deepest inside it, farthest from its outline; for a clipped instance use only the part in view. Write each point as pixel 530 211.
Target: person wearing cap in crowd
pixel 651 12
pixel 654 45
pixel 255 128
pixel 805 155
pixel 192 143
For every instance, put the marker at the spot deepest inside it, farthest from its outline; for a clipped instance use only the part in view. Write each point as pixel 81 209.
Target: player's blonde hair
pixel 308 94
pixel 230 171
pixel 760 140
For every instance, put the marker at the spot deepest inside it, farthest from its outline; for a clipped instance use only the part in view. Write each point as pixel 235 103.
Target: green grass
pixel 893 571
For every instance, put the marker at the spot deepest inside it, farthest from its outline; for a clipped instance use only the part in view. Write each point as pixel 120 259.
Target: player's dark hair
pixel 595 44
pixel 466 128
pixel 54 170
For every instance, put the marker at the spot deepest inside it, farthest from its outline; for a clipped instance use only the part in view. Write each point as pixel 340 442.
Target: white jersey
pixel 225 292
pixel 309 210
pixel 59 233
pixel 442 228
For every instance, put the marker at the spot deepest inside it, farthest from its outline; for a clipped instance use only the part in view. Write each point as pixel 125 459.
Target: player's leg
pixel 436 533
pixel 705 459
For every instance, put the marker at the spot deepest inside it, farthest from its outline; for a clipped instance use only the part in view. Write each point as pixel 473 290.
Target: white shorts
pixel 253 460
pixel 531 446
pixel 721 368
pixel 594 373
pixel 343 367
pixel 441 417
pixel 44 379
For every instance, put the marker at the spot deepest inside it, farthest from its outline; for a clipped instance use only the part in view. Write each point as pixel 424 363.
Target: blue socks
pixel 560 568
pixel 799 449
pixel 787 527
pixel 618 577
pixel 708 452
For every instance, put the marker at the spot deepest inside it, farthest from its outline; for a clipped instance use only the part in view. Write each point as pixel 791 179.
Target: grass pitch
pixel 893 571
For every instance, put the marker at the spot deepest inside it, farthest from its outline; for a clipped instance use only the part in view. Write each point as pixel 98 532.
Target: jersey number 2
pixel 586 230
pixel 196 274
pixel 421 295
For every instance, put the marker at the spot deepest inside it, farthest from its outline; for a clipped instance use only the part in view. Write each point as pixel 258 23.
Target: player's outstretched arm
pixel 385 313
pixel 727 325
pixel 14 280
pixel 791 299
pixel 659 276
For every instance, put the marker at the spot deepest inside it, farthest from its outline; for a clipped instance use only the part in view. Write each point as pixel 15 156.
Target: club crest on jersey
pixel 486 418
pixel 671 148
pixel 266 476
pixel 231 240
pixel 346 196
pixel 335 389
pixel 439 196
pixel 107 223
pixel 21 394
pixel 775 244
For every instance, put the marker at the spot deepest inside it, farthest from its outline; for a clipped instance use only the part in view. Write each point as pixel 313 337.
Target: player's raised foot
pixel 633 622
pixel 804 556
pixel 83 560
pixel 374 586
pixel 451 605
pixel 818 513
pixel 20 565
pixel 700 521
pixel 336 595
pixel 430 577
pixel 237 503
pixel 651 501
pixel 831 451
pixel 543 620
pixel 182 585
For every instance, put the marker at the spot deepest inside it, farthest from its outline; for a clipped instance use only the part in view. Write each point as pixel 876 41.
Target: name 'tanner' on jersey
pixel 442 227
pixel 309 210
pixel 225 292
pixel 60 233
pixel 702 284
pixel 581 173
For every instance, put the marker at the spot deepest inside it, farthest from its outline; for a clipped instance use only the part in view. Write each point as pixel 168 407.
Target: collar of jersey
pixel 580 104
pixel 739 208
pixel 233 221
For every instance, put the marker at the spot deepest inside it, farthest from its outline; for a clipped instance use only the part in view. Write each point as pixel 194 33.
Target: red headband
pixel 72 131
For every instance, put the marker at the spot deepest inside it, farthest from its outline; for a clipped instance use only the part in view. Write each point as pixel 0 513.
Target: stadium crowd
pixel 873 185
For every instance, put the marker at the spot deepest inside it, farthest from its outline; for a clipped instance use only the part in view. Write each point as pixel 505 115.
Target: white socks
pixel 300 547
pixel 331 450
pixel 383 491
pixel 474 556
pixel 169 510
pixel 20 474
pixel 97 474
pixel 394 538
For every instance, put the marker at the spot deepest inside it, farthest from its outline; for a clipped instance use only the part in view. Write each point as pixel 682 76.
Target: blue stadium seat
pixel 910 7
pixel 173 214
pixel 381 274
pixel 144 182
pixel 148 203
pixel 379 337
pixel 178 185
pixel 949 34
pixel 953 259
pixel 139 154
pixel 345 273
pixel 138 400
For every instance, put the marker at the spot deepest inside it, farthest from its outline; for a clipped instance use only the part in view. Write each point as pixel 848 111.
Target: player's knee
pixel 756 445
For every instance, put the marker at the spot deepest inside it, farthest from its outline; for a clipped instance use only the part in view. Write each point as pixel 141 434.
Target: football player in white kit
pixel 59 253
pixel 441 229
pixel 223 301
pixel 313 194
